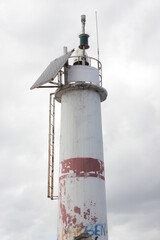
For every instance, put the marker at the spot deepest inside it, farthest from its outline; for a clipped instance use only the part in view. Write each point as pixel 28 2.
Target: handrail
pixel 93 62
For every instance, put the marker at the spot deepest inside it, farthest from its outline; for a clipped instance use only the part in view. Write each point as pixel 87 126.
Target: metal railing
pixel 90 61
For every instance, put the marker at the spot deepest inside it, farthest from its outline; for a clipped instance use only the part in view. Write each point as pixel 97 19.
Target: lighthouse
pixel 82 212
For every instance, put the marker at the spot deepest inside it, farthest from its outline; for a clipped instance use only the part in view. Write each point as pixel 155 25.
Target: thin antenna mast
pixel 97 35
pixel 83 21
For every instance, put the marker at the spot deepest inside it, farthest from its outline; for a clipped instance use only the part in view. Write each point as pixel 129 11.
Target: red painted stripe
pixel 82 167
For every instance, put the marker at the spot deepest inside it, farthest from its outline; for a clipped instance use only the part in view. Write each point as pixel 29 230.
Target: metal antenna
pixel 83 21
pixel 83 36
pixel 97 35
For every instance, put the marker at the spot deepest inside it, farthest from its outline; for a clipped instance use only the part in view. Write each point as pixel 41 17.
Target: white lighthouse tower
pixel 82 212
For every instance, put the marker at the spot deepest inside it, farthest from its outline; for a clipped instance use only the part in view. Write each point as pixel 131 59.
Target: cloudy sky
pixel 32 33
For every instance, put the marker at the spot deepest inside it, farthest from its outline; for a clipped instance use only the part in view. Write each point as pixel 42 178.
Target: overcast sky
pixel 32 33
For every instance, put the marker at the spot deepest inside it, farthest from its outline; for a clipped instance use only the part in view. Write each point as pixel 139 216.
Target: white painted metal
pixel 81 131
pixel 79 56
pixel 79 73
pixel 79 86
pixel 52 70
pixel 82 198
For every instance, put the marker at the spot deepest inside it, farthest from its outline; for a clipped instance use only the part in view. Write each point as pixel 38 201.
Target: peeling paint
pixel 77 210
pixel 68 233
pixel 74 220
pixel 82 167
pixel 82 197
pixel 63 213
pixel 87 214
pixel 94 219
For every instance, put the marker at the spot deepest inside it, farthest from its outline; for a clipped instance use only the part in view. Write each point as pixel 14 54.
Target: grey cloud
pixel 33 34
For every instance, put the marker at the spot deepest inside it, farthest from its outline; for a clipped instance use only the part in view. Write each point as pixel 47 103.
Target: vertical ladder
pixel 51 148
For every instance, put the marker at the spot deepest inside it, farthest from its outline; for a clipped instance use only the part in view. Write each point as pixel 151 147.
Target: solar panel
pixel 52 70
